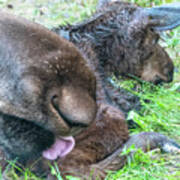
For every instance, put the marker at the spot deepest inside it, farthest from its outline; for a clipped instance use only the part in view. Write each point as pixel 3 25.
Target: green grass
pixel 51 13
pixel 160 114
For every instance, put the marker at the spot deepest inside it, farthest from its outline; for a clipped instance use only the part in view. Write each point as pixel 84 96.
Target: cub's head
pixel 47 91
pixel 133 34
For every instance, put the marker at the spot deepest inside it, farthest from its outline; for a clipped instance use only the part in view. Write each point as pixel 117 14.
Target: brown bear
pixel 44 98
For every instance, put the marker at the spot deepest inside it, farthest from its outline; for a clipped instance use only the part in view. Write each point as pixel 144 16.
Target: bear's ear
pixel 165 17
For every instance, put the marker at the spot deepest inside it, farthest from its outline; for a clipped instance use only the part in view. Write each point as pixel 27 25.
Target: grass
pixel 160 114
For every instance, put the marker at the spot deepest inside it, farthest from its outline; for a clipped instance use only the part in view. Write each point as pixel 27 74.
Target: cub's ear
pixel 164 17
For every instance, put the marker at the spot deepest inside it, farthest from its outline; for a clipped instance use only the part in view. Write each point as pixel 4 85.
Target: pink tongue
pixel 60 148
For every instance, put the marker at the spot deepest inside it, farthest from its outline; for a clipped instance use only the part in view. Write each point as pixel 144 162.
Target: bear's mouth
pixel 61 147
pixel 27 138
